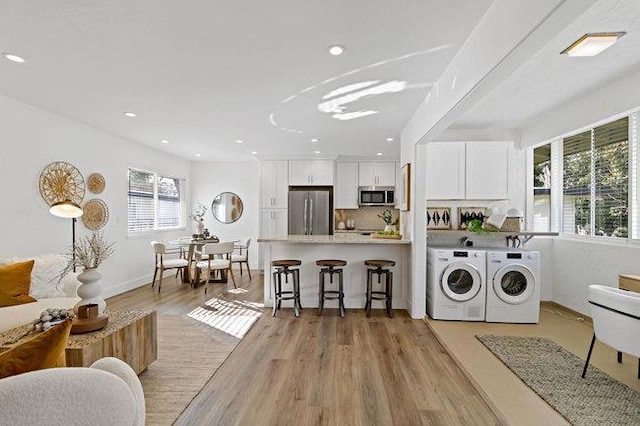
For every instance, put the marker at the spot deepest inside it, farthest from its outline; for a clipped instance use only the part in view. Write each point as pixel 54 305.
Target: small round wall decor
pixel 96 183
pixel 96 214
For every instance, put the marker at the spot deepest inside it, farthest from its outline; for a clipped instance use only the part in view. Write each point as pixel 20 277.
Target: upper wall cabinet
pixel 467 170
pixel 377 174
pixel 274 184
pixel 312 172
pixel 346 189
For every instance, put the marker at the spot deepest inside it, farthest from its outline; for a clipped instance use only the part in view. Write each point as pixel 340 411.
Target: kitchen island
pixel 354 249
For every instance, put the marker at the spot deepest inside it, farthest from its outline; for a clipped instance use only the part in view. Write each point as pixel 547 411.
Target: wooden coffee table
pixel 131 336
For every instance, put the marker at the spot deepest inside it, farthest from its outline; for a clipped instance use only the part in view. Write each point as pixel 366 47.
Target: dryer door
pixel 460 281
pixel 514 283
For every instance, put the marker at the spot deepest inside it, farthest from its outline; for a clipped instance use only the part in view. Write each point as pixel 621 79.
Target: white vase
pixel 90 291
pixel 200 227
pixel 389 228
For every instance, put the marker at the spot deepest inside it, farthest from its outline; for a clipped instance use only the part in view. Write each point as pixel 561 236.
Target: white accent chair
pixel 163 264
pixel 218 258
pixel 107 393
pixel 616 321
pixel 241 254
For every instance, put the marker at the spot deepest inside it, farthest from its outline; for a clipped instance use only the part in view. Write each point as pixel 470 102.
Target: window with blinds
pixel 595 194
pixel 542 188
pixel 154 202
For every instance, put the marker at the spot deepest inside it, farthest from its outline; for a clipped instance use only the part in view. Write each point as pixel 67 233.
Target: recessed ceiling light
pixel 378 154
pixel 238 141
pixel 198 155
pixel 254 152
pixel 13 58
pixel 316 152
pixel 591 44
pixel 389 139
pixel 314 139
pixel 164 141
pixel 336 49
pixel 130 114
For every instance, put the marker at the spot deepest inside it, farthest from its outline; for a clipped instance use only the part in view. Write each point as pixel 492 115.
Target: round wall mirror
pixel 227 207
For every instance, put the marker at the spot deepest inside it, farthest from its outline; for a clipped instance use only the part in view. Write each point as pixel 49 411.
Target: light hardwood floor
pixel 325 370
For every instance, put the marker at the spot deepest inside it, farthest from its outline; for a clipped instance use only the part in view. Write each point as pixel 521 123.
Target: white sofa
pixel 107 393
pixel 44 288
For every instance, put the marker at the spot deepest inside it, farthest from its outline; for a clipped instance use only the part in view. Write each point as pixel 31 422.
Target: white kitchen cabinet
pixel 273 222
pixel 274 184
pixel 467 170
pixel 310 172
pixel 377 173
pixel 346 188
pixel 445 171
pixel 487 170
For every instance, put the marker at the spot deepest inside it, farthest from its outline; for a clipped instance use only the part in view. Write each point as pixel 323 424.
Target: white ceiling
pixel 203 74
pixel 548 79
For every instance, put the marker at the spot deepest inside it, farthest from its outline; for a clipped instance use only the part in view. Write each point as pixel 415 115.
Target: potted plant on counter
pixel 390 222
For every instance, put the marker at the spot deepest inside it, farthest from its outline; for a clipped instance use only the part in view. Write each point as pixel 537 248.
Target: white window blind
pixel 154 202
pixel 596 181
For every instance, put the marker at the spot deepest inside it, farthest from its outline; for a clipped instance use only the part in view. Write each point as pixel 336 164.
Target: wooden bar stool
pixel 331 267
pixel 379 267
pixel 284 267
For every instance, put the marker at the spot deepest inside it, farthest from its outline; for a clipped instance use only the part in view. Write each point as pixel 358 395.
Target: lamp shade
pixel 66 208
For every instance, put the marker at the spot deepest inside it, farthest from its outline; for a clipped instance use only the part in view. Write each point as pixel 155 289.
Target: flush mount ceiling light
pixel 130 114
pixel 198 155
pixel 389 139
pixel 378 154
pixel 254 152
pixel 13 58
pixel 314 139
pixel 592 43
pixel 316 152
pixel 238 141
pixel 164 141
pixel 336 49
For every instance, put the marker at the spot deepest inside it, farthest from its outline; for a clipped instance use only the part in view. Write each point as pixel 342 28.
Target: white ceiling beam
pixel 506 36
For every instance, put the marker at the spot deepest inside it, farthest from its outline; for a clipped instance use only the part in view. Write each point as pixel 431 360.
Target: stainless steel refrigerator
pixel 310 210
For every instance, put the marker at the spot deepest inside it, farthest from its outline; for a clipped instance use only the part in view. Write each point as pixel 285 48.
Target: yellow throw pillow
pixel 45 350
pixel 15 280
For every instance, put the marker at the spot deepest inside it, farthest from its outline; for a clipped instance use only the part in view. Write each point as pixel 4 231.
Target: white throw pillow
pixel 44 281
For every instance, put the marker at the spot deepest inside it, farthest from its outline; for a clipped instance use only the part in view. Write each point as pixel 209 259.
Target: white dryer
pixel 456 287
pixel 513 281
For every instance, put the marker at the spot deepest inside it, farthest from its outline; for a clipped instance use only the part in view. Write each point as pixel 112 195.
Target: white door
pixel 445 175
pixel 273 184
pixel 346 195
pixel 487 170
pixel 460 281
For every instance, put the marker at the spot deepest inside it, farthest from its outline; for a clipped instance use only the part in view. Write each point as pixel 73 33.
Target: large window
pixel 596 181
pixel 155 202
pixel 592 183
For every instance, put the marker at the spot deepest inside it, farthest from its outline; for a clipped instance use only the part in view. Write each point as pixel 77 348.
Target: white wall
pixel 242 178
pixel 581 261
pixel 31 139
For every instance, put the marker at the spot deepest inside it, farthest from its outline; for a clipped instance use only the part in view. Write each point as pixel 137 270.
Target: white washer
pixel 456 286
pixel 513 281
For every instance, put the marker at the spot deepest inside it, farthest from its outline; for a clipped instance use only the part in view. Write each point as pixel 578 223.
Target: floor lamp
pixel 68 209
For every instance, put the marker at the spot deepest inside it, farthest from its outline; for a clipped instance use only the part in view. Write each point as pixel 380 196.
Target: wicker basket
pixel 511 224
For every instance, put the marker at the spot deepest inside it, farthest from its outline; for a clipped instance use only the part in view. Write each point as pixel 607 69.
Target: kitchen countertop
pixel 343 238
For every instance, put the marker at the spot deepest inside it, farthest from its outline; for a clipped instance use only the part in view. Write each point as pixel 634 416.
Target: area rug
pixel 555 375
pixel 191 348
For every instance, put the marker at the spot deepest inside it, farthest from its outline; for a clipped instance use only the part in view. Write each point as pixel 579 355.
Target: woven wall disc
pixel 96 183
pixel 61 181
pixel 95 214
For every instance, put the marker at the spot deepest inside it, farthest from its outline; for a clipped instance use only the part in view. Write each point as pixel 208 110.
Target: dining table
pixel 194 249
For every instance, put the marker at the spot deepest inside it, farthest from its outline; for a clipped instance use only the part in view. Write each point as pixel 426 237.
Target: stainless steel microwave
pixel 376 195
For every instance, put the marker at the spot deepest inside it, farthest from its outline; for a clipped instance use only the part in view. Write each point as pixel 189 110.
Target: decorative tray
pixel 387 236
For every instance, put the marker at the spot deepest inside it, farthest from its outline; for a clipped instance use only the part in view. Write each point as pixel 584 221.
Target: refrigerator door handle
pixel 305 214
pixel 311 217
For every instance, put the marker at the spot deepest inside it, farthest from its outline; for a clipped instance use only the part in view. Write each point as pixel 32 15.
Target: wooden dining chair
pixel 241 255
pixel 218 260
pixel 163 264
